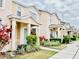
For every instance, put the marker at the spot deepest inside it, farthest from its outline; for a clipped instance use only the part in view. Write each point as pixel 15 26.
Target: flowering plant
pixel 4 35
pixel 43 38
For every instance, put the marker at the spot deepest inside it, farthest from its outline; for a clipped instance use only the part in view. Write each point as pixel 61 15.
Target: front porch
pixel 56 31
pixel 20 30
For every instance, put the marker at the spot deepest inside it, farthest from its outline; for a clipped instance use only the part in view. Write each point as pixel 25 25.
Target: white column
pixel 21 34
pixel 59 33
pixel 13 35
pixel 37 34
pixel 62 35
pixel 48 34
pixel 55 34
pixel 29 29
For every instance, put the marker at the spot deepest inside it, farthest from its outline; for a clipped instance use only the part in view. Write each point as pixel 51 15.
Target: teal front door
pixel 25 35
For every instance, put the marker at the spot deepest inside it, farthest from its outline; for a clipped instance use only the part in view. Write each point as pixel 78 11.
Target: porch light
pixel 54 28
pixel 1 22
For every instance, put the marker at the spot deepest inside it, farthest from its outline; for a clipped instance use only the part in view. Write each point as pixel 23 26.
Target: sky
pixel 67 10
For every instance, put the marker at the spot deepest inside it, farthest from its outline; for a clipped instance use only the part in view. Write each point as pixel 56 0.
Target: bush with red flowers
pixel 42 39
pixel 4 35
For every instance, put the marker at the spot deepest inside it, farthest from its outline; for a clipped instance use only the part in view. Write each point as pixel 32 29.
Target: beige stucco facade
pixel 50 25
pixel 45 21
pixel 21 25
pixel 67 29
pixel 56 27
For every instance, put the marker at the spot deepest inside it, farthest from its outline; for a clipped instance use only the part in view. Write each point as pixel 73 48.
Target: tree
pixel 4 35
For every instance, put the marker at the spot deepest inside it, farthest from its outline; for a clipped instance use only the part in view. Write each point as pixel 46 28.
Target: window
pixel 18 11
pixel 57 33
pixel 51 35
pixel 33 31
pixel 1 3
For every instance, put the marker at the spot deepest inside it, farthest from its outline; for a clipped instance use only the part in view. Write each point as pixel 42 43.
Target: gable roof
pixel 30 4
pixel 23 17
pixel 22 4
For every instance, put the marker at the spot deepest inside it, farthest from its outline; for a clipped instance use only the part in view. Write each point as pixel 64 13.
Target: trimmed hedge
pixel 66 39
pixel 55 39
pixel 47 43
pixel 73 38
pixel 51 43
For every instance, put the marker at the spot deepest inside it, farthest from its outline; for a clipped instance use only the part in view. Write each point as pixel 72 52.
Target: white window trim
pixel 18 9
pixel 3 5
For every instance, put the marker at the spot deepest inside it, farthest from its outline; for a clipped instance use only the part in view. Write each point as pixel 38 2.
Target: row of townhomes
pixel 23 19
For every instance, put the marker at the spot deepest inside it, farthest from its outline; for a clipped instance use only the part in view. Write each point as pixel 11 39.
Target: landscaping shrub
pixel 31 43
pixel 51 43
pixel 31 48
pixel 42 39
pixel 21 49
pixel 31 39
pixel 73 38
pixel 28 48
pixel 55 43
pixel 77 36
pixel 56 39
pixel 66 39
pixel 47 43
pixel 36 47
pixel 4 35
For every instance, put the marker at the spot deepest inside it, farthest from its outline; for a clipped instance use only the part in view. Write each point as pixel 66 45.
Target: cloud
pixel 50 1
pixel 67 10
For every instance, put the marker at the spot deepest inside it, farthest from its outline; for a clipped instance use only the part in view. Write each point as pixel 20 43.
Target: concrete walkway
pixel 70 52
pixel 45 48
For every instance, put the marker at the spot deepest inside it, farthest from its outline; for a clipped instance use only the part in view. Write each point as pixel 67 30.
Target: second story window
pixel 18 11
pixel 1 3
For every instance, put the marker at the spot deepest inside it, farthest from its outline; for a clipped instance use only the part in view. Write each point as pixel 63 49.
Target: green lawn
pixel 42 54
pixel 55 45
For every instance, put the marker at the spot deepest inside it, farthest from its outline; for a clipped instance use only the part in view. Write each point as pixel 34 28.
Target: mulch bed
pixel 2 56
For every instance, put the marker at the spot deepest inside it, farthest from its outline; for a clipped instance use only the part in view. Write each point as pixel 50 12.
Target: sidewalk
pixel 45 48
pixel 70 52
